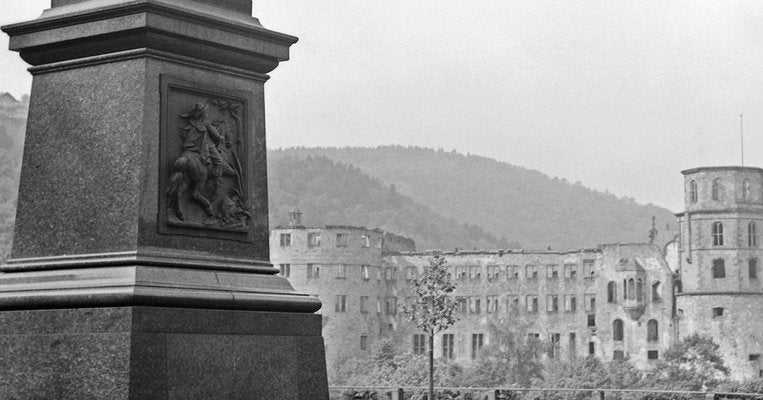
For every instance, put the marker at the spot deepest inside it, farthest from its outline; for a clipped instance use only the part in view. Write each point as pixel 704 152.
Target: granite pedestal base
pixel 160 353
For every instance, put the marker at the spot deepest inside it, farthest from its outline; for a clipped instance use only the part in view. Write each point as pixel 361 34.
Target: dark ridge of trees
pixel 507 201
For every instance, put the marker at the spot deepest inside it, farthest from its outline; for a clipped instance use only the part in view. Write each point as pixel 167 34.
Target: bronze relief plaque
pixel 204 154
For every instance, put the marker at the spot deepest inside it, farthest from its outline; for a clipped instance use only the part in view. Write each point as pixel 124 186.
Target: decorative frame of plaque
pixel 204 153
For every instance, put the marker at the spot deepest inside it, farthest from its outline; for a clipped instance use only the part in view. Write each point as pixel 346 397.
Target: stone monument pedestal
pixel 140 265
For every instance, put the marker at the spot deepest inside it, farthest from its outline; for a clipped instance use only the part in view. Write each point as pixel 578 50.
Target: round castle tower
pixel 720 292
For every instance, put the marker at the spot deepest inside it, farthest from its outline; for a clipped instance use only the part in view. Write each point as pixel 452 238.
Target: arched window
pixel 631 289
pixel 652 331
pixel 639 290
pixel 752 234
pixel 717 189
pixel 617 330
pixel 693 192
pixel 746 194
pixel 752 266
pixel 656 291
pixel 719 268
pixel 625 289
pixel 611 292
pixel 717 234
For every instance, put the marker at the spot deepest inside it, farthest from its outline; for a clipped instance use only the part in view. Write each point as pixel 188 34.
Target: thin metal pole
pixel 741 134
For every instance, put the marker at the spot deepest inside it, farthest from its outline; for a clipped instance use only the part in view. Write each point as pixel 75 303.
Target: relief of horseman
pixel 200 161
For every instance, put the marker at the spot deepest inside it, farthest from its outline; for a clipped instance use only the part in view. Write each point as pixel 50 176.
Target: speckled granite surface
pixel 159 353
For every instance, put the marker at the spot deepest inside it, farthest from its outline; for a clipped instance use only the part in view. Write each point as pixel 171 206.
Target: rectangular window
pixel 364 304
pixel 285 270
pixel 719 268
pixel 363 342
pixel 493 272
pixel 554 348
pixel 447 346
pixel 364 274
pixel 552 303
pixel 419 343
pixel 552 271
pixel 410 273
pixel 589 269
pixel 365 240
pixel 531 272
pixel 570 271
pixel 619 355
pixel 313 271
pixel 512 272
pixel 340 271
pixel 512 304
pixel 378 306
pixel 391 305
pixel 652 355
pixel 477 342
pixel 342 239
pixel 492 304
pixel 532 304
pixel 285 239
pixel 390 273
pixel 590 302
pixel 340 303
pixel 462 305
pixel 717 312
pixel 591 320
pixel 313 239
pixel 474 305
pixel 474 272
pixel 462 273
pixel 591 348
pixel 572 346
pixel 570 303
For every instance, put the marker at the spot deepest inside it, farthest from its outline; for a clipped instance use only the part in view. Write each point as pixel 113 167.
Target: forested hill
pixel 331 193
pixel 506 200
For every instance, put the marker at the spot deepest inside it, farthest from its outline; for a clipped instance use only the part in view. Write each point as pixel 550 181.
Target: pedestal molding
pixel 162 258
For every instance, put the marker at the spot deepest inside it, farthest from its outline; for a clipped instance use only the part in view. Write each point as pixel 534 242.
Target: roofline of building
pixel 721 168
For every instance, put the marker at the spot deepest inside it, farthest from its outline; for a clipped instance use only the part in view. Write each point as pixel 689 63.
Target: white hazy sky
pixel 620 95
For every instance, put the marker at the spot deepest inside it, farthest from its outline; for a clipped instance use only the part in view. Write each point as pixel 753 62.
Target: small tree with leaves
pixel 433 309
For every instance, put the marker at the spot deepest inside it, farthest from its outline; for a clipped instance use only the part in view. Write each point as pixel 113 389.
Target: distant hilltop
pixel 12 108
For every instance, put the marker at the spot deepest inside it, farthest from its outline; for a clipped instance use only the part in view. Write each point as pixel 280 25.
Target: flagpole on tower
pixel 741 135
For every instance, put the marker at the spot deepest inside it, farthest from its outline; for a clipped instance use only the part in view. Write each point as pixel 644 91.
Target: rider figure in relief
pixel 201 137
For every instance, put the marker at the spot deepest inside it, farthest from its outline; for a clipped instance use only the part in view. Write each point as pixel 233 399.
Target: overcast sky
pixel 618 95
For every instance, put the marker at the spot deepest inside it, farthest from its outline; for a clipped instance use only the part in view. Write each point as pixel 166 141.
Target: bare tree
pixel 433 310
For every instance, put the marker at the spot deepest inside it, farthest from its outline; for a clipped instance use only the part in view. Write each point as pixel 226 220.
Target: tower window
pixel 656 290
pixel 719 268
pixel 611 292
pixel 693 192
pixel 285 239
pixel 639 290
pixel 752 266
pixel 752 234
pixel 717 312
pixel 652 331
pixel 717 189
pixel 617 330
pixel 631 289
pixel 746 193
pixel 717 234
pixel 591 348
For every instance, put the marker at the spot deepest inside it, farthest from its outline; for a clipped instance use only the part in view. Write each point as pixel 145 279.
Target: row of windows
pixel 716 233
pixel 511 304
pixel 633 289
pixel 390 304
pixel 652 331
pixel 716 190
pixel 314 240
pixel 719 268
pixel 447 344
pixel 462 273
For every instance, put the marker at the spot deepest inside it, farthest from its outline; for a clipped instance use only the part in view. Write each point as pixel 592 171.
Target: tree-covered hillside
pixel 506 200
pixel 331 193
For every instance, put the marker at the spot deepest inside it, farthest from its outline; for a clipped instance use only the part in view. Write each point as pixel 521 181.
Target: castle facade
pixel 613 301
